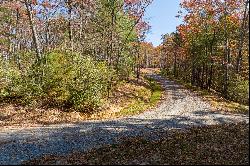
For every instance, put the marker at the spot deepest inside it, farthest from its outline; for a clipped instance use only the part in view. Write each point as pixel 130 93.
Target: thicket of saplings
pixel 58 79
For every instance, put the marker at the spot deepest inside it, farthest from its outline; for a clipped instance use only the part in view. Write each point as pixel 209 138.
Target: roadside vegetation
pixel 77 58
pixel 126 98
pixel 69 65
pixel 137 106
pixel 210 51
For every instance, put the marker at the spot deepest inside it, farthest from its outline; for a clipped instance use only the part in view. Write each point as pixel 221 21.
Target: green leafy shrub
pixel 239 90
pixel 59 79
pixel 10 78
pixel 90 82
pixel 125 66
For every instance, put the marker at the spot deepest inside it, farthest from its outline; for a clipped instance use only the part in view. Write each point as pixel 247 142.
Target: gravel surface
pixel 180 109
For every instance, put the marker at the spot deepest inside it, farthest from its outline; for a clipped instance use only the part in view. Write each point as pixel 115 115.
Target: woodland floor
pixel 182 117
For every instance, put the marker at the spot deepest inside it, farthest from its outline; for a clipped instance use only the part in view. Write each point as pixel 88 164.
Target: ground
pixel 179 111
pixel 197 146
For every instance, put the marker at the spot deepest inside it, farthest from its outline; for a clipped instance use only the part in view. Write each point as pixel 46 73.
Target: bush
pixel 90 83
pixel 59 79
pixel 125 66
pixel 10 77
pixel 239 90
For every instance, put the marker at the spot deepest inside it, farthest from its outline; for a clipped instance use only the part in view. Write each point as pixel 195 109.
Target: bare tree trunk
pixel 110 51
pixel 47 37
pixel 175 63
pixel 225 61
pixel 70 26
pixel 202 75
pixel 81 31
pixel 17 42
pixel 138 62
pixel 33 29
pixel 113 19
pixel 241 40
pixel 10 43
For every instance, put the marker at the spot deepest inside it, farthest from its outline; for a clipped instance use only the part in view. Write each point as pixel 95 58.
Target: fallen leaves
pixel 218 144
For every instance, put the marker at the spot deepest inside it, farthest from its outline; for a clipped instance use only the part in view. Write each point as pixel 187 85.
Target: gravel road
pixel 180 109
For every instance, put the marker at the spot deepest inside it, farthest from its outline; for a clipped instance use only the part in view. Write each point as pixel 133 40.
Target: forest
pixel 211 48
pixel 68 52
pixel 71 52
pixel 81 83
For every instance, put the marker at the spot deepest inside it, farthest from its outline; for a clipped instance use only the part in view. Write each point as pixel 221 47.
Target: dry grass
pixel 221 145
pixel 150 70
pixel 15 115
pixel 125 95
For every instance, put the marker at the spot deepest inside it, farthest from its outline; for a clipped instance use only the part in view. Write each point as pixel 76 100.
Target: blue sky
pixel 161 16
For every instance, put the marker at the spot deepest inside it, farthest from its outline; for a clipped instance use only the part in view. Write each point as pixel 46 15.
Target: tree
pixel 209 45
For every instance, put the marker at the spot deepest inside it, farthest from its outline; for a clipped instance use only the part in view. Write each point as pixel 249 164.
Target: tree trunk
pixel 241 39
pixel 70 26
pixel 17 44
pixel 33 29
pixel 175 61
pixel 202 75
pixel 193 74
pixel 210 75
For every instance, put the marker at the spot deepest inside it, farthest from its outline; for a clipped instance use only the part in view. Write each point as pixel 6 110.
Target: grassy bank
pixel 138 106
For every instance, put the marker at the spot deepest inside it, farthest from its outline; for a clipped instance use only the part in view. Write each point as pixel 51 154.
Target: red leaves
pixel 34 2
pixel 16 5
pixel 131 2
pixel 136 10
pixel 142 26
pixel 46 4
